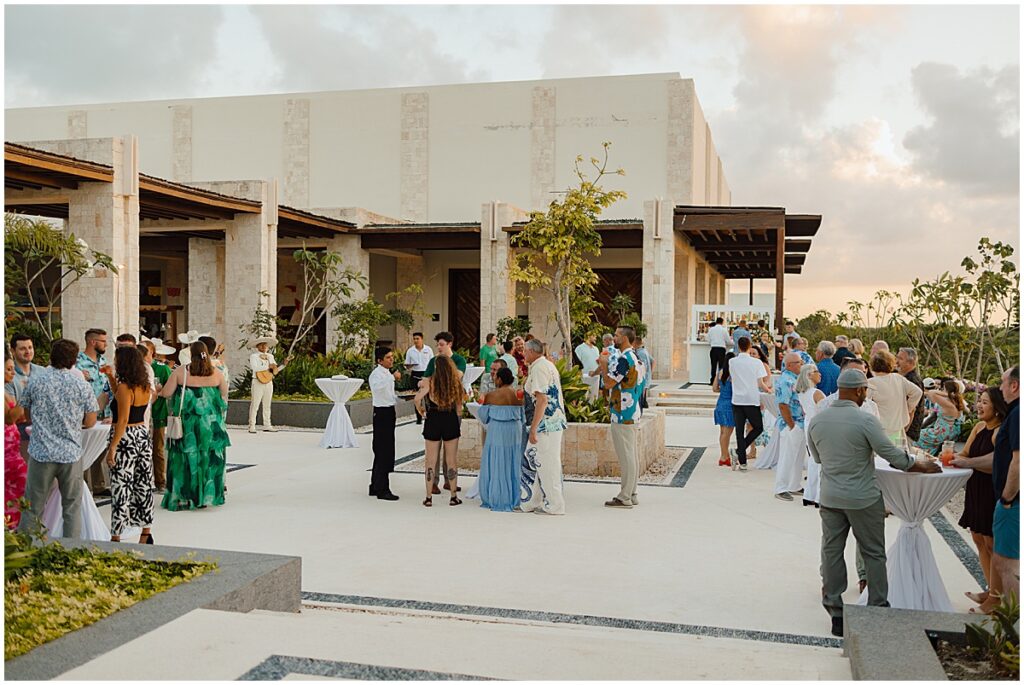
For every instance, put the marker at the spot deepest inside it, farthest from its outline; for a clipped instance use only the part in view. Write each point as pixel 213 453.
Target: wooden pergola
pixel 750 242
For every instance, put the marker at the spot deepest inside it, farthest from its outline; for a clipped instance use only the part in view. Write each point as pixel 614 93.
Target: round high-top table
pixel 468 378
pixel 593 385
pixel 339 431
pixel 94 445
pixel 914 580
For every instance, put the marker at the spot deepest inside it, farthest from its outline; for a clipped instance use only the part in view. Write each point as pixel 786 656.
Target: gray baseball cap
pixel 852 378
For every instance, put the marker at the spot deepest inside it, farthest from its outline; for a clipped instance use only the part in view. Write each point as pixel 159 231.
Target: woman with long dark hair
pixel 502 414
pixel 979 495
pixel 441 400
pixel 946 425
pixel 130 453
pixel 198 395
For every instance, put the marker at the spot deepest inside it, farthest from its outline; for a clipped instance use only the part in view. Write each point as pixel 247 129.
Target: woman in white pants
pixel 264 368
pixel 810 396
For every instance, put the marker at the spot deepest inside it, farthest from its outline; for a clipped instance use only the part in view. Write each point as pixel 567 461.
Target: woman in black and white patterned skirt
pixel 130 455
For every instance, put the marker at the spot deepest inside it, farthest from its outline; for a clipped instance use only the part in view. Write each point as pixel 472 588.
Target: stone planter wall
pixel 586 447
pixel 311 414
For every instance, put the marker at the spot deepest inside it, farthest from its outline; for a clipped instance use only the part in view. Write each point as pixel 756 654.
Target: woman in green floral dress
pixel 195 463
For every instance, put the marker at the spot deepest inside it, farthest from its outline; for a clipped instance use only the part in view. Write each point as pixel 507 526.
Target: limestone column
pixel 659 284
pixel 701 293
pixel 685 270
pixel 408 271
pixel 106 217
pixel 497 289
pixel 206 291
pixel 354 257
pixel 723 287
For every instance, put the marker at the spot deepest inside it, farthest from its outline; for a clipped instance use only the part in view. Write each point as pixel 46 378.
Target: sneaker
pixel 616 503
pixel 784 496
pixel 743 467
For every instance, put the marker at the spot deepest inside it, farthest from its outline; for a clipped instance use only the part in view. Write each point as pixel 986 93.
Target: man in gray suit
pixel 844 440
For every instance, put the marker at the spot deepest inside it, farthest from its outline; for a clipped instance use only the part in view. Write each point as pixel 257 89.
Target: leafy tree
pixel 511 326
pixel 557 244
pixel 621 305
pixel 33 247
pixel 263 322
pixel 325 284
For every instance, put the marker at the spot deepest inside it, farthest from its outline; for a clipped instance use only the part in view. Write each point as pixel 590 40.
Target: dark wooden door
pixel 464 307
pixel 611 282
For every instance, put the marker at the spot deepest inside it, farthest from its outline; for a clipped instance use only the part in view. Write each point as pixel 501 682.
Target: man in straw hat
pixel 264 368
pixel 844 440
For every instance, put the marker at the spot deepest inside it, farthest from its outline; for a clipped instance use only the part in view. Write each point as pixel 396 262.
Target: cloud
pixel 973 139
pixel 91 53
pixel 322 48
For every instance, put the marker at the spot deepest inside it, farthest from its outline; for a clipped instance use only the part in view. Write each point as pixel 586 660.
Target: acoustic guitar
pixel 268 375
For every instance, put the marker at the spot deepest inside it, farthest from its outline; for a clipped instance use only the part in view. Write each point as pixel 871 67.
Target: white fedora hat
pixel 270 340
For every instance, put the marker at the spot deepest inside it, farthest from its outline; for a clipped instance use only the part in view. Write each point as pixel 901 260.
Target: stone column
pixel 296 152
pixel 723 287
pixel 701 293
pixel 659 284
pixel 106 216
pixel 408 271
pixel 686 269
pixel 497 289
pixel 181 144
pixel 206 292
pixel 354 257
pixel 414 167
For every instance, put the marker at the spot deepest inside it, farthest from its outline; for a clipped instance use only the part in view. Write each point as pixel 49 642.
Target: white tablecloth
pixel 468 378
pixel 94 445
pixel 593 383
pixel 339 432
pixel 914 580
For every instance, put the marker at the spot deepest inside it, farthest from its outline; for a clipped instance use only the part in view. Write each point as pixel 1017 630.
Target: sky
pixel 900 125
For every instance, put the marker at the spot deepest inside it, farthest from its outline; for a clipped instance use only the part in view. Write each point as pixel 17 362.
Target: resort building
pixel 203 201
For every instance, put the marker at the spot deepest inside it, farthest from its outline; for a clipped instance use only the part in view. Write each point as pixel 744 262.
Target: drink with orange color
pixel 947 453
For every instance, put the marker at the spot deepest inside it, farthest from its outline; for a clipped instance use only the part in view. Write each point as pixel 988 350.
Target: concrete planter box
pixel 586 447
pixel 242 582
pixel 883 643
pixel 311 414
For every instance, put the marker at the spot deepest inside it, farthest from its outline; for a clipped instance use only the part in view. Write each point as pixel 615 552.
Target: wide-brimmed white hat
pixel 190 337
pixel 270 340
pixel 160 347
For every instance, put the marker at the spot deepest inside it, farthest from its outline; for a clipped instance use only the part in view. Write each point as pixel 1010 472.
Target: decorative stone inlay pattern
pixel 296 152
pixel 542 147
pixel 576 619
pixel 679 143
pixel 78 124
pixel 414 177
pixel 277 667
pixel 181 143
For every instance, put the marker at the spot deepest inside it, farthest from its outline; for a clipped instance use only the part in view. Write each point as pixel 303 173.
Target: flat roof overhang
pixel 615 233
pixel 428 236
pixel 742 242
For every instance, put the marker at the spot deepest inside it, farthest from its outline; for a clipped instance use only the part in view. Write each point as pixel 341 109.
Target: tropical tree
pixel 556 245
pixel 263 322
pixel 34 247
pixel 326 283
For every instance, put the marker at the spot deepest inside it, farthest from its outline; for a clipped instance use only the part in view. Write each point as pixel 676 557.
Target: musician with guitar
pixel 264 368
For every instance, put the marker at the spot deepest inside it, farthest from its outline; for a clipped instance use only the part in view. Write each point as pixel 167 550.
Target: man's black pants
pixel 417 376
pixel 741 416
pixel 383 449
pixel 717 361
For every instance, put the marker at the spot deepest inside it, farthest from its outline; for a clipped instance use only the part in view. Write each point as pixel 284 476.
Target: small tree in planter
pixel 558 243
pixel 263 322
pixel 325 284
pixel 33 247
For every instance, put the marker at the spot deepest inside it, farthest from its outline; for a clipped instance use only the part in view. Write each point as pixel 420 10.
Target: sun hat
pixel 270 340
pixel 852 378
pixel 191 337
pixel 160 347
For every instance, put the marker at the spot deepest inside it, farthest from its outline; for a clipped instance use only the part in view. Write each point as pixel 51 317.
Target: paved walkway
pixel 716 579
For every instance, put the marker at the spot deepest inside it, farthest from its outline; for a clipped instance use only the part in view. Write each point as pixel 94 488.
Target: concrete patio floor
pixel 715 580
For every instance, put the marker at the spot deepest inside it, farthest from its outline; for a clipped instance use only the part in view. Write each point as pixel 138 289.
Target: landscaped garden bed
pixel 50 590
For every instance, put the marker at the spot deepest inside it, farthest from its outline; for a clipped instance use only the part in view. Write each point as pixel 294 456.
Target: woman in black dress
pixel 980 498
pixel 441 399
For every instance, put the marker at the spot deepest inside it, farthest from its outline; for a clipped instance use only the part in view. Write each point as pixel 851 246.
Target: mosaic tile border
pixel 577 619
pixel 278 666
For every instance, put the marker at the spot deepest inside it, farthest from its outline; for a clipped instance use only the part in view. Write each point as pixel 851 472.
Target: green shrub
pixel 299 377
pixel 997 638
pixel 61 590
pixel 511 326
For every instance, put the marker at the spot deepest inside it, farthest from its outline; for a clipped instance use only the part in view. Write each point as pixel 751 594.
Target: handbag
pixel 175 430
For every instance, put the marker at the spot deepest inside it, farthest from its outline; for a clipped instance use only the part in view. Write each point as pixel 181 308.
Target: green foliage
pixel 582 411
pixel 622 304
pixel 633 320
pixel 18 554
pixel 326 282
pixel 298 379
pixel 263 322
pixel 511 326
pixel 358 322
pixel 574 391
pixel 33 247
pixel 997 637
pixel 62 590
pixel 556 246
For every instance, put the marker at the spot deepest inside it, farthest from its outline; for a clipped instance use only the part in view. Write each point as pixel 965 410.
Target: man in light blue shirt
pixel 61 405
pixel 24 352
pixel 740 332
pixel 587 353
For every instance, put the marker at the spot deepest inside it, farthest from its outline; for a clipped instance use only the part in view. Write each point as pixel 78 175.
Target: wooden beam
pixel 36 197
pixel 195 196
pixel 33 178
pixel 38 159
pixel 780 276
pixel 729 222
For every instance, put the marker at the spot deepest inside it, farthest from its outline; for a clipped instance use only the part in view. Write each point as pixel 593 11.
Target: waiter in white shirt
pixel 416 359
pixel 382 385
pixel 719 339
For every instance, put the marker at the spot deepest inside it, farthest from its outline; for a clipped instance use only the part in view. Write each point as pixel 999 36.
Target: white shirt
pixel 260 361
pixel 588 356
pixel 744 372
pixel 417 360
pixel 719 336
pixel 382 385
pixel 869 407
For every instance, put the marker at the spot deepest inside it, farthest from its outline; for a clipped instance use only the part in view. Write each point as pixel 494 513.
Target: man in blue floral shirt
pixel 61 405
pixel 541 477
pixel 626 383
pixel 790 424
pixel 90 362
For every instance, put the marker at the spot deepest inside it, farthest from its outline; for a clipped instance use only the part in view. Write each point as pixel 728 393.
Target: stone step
pixel 687 411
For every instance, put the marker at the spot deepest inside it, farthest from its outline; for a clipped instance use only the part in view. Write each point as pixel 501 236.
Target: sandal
pixel 977 597
pixel 428 502
pixel 454 501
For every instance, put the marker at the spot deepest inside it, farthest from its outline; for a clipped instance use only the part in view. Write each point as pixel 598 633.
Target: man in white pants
pixel 541 475
pixel 262 393
pixel 792 446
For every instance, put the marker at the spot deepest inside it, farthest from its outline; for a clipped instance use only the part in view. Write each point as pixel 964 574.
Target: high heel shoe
pixel 428 502
pixel 149 539
pixel 724 462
